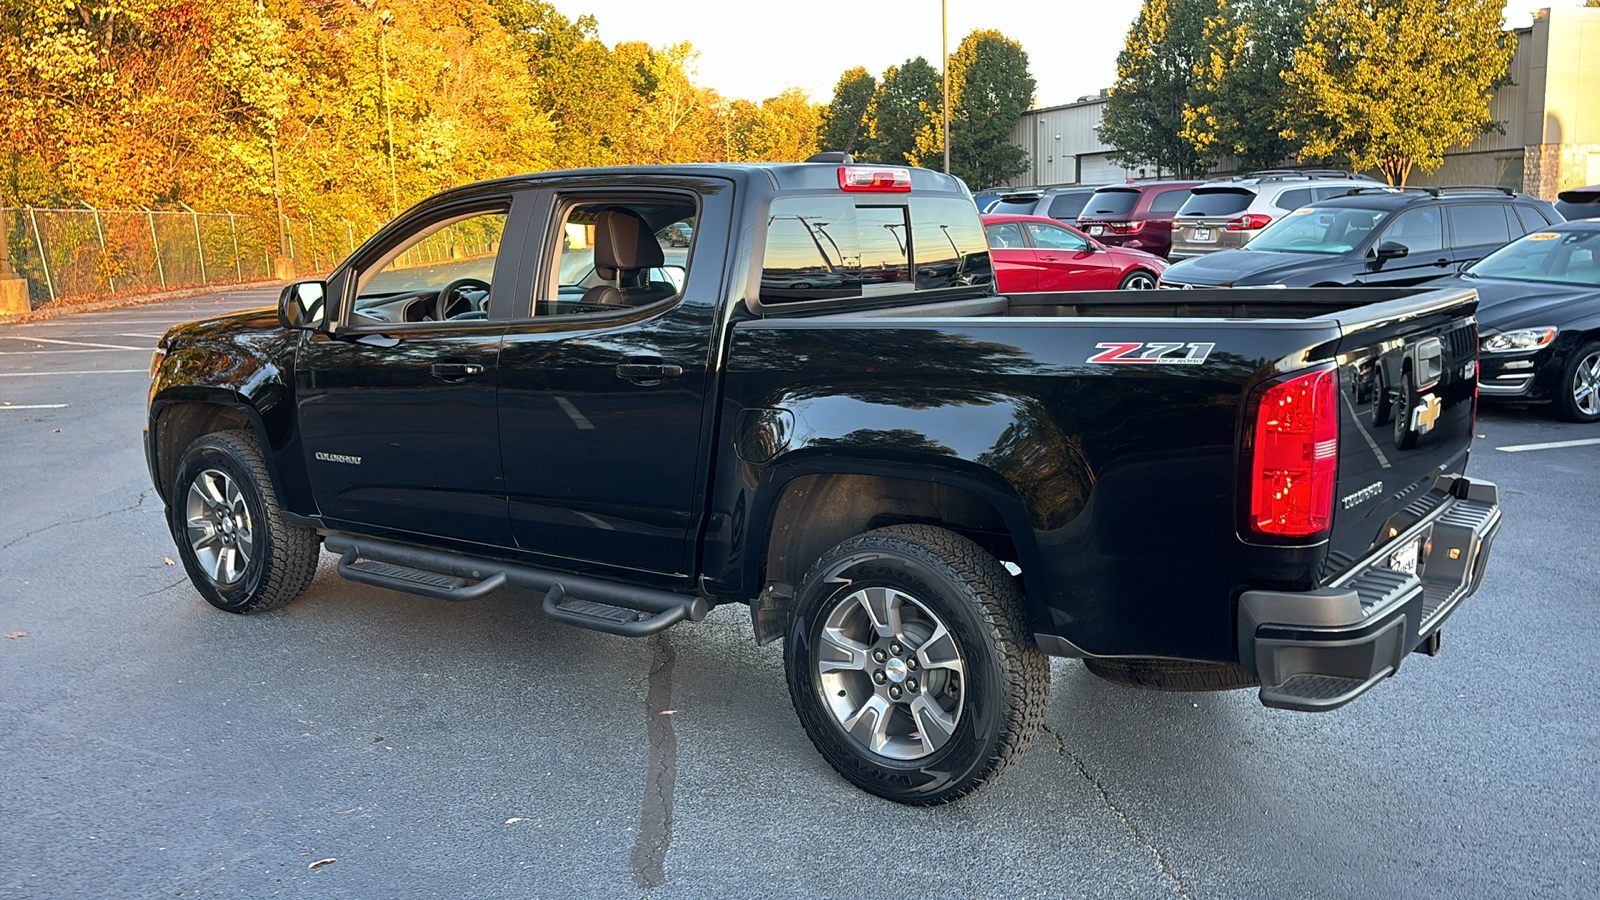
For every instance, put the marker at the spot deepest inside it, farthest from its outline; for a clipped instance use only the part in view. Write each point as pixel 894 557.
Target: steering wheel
pixel 448 304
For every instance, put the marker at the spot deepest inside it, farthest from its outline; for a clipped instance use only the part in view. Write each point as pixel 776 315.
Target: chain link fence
pixel 87 253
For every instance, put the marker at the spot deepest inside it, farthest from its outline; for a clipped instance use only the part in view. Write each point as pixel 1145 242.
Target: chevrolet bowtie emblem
pixel 1426 413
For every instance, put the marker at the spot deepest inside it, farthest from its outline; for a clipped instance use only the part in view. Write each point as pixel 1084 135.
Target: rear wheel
pixel 1579 399
pixel 911 665
pixel 1138 280
pixel 239 552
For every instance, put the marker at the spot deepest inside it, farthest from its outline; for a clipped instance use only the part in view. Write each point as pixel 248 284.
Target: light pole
pixel 944 47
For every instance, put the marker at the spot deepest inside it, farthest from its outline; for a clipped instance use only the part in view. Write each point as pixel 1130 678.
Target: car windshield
pixel 1329 230
pixel 1555 257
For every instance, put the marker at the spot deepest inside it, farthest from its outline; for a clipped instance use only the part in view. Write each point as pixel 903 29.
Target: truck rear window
pixel 825 248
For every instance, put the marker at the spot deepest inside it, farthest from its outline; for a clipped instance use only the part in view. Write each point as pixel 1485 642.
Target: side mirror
pixel 303 305
pixel 1391 250
pixel 674 274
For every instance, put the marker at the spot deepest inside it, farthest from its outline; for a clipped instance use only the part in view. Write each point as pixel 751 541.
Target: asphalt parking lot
pixel 153 746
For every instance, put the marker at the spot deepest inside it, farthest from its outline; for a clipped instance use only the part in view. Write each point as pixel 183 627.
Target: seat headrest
pixel 623 241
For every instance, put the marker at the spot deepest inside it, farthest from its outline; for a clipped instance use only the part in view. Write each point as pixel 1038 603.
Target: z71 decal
pixel 1152 353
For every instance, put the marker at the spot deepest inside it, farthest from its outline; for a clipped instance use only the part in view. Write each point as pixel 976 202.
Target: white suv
pixel 1225 213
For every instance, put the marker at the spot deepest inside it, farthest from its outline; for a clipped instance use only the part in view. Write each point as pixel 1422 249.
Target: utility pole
pixel 385 19
pixel 944 47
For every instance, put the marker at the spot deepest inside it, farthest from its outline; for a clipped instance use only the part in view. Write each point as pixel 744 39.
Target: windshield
pixel 1315 229
pixel 1548 256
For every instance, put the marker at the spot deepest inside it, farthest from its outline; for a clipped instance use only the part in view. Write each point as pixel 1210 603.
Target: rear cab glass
pixel 871 246
pixel 1217 202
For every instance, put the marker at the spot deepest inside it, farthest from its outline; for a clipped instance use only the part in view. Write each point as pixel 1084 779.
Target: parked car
pixel 678 234
pixel 1060 203
pixel 1225 213
pixel 1579 203
pixel 1137 215
pixel 1372 236
pixel 1539 320
pixel 1033 253
pixel 855 462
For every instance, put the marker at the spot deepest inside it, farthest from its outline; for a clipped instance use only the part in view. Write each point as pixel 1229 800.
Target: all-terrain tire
pixel 952 606
pixel 1171 674
pixel 223 513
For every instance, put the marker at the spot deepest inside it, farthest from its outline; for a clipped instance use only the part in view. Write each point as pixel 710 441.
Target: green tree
pixel 842 118
pixel 990 89
pixel 1156 81
pixel 905 105
pixel 1239 97
pixel 1393 84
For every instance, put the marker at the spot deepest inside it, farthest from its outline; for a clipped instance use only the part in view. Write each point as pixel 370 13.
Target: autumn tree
pixel 782 129
pixel 1238 101
pixel 990 89
pixel 904 109
pixel 1393 84
pixel 842 119
pixel 1156 81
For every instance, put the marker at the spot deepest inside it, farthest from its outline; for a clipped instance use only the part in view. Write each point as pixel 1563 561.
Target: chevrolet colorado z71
pixel 820 408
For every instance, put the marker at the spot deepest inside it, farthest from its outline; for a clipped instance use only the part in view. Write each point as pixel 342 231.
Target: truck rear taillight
pixel 894 179
pixel 1295 456
pixel 1254 222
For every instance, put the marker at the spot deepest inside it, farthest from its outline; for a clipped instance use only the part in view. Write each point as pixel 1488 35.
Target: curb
pixel 54 310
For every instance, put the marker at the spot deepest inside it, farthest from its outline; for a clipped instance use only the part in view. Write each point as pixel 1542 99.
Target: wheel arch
pixel 178 421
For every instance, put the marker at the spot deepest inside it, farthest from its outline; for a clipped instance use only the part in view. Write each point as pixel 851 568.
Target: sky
pixel 755 50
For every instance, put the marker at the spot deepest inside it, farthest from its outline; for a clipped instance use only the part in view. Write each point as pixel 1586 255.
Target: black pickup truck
pixel 821 409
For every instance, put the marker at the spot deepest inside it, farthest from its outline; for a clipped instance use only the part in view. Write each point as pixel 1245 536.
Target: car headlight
pixel 155 360
pixel 1522 339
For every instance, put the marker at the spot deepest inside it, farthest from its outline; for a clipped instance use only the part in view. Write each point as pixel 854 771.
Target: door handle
pixel 1048 258
pixel 1441 262
pixel 456 371
pixel 648 373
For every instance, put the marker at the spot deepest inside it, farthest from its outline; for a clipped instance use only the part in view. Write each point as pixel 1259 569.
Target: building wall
pixel 1562 132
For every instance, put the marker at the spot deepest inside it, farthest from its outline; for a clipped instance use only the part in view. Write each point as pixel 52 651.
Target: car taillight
pixel 1125 227
pixel 895 179
pixel 1295 456
pixel 1249 223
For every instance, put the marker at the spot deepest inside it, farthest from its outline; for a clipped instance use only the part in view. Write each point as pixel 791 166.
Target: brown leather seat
pixel 623 248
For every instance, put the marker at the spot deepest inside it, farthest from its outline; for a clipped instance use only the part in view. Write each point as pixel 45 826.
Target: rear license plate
pixel 1097 229
pixel 1203 234
pixel 1405 559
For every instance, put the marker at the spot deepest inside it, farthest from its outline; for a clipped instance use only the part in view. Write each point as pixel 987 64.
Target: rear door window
pixel 1170 201
pixel 1475 224
pixel 1293 199
pixel 1005 236
pixel 1111 202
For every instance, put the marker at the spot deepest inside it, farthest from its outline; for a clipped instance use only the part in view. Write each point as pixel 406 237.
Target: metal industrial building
pixel 1550 113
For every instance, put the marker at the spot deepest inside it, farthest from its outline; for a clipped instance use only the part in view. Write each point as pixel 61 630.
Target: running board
pixel 578 600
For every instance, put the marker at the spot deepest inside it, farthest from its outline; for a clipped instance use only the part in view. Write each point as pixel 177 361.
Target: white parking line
pixel 80 372
pixel 72 343
pixel 107 350
pixel 1553 445
pixel 35 406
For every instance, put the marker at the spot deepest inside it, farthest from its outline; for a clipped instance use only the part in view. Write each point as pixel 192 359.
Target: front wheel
pixel 911 665
pixel 1579 399
pixel 239 553
pixel 1138 280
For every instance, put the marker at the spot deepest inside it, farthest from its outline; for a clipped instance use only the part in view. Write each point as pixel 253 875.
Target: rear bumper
pixel 1318 650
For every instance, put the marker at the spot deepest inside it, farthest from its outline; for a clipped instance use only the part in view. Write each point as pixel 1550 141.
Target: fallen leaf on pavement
pixel 668 712
pixel 323 862
pixel 16 634
pixel 514 821
pixel 168 560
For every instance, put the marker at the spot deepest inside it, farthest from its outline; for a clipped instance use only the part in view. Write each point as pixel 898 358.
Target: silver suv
pixel 1225 213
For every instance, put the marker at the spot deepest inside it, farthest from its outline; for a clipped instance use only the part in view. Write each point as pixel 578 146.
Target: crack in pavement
pixel 655 814
pixel 137 504
pixel 1178 886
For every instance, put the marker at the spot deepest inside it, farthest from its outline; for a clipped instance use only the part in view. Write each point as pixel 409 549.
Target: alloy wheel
pixel 891 673
pixel 1586 385
pixel 219 527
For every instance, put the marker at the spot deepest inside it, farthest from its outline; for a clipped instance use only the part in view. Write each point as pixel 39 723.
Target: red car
pixel 1033 253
